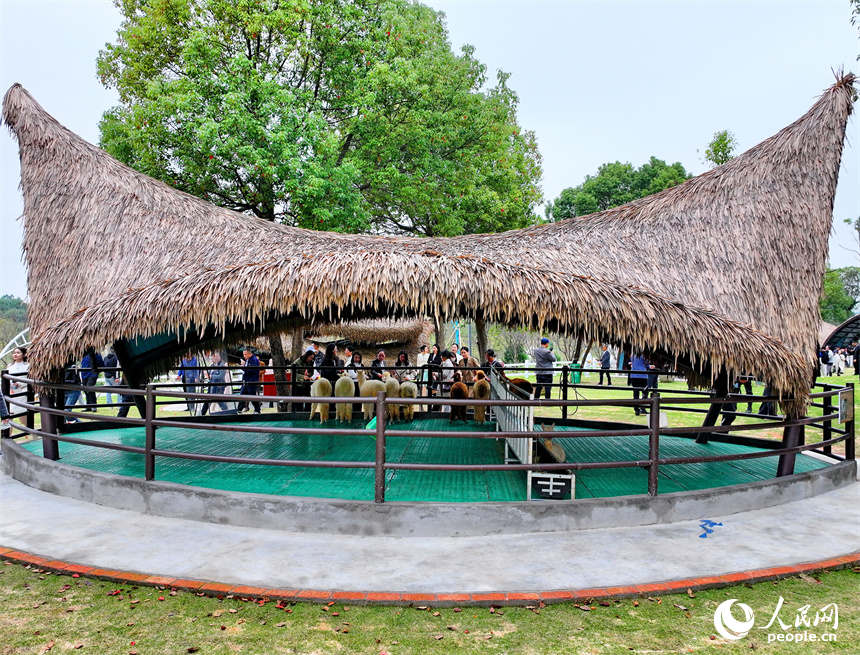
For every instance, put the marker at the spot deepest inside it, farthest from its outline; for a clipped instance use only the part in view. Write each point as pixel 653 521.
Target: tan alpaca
pixel 392 388
pixel 321 388
pixel 408 389
pixel 369 389
pixel 344 388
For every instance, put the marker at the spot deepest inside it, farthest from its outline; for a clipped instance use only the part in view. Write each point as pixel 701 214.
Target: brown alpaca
pixel 459 391
pixel 481 391
pixel 522 385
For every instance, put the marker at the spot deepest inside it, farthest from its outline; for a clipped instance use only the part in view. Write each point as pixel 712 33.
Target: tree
pixel 837 304
pixel 615 184
pixel 13 318
pixel 345 116
pixel 721 148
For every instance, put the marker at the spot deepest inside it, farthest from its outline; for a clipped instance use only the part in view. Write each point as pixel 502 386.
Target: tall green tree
pixel 721 148
pixel 837 302
pixel 615 184
pixel 339 115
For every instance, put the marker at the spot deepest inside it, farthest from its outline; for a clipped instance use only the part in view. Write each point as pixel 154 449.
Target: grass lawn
pixel 41 613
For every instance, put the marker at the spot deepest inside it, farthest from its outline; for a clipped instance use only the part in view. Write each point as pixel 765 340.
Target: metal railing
pixel 52 432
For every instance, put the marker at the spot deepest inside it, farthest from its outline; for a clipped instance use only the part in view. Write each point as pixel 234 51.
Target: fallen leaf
pixel 452 627
pixel 217 613
pixel 422 607
pixel 604 603
pixel 438 637
pixel 584 608
pixel 635 603
pixel 161 598
pixel 809 579
pixel 335 613
pixel 457 609
pixel 232 611
pixel 690 593
pixel 78 645
pixel 75 575
pixel 324 609
pixel 436 614
pixel 48 646
pixel 173 592
pixel 331 603
pixel 192 649
pixel 280 625
pixel 223 627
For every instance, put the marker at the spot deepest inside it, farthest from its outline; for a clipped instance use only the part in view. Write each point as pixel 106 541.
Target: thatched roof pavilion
pixel 722 271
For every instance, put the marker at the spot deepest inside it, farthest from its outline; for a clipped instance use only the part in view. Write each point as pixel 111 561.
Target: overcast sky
pixel 598 82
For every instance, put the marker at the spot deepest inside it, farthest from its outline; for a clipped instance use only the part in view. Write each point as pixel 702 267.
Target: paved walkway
pixel 743 546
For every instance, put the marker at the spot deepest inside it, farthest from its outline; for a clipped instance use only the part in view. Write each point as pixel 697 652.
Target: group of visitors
pixel 835 361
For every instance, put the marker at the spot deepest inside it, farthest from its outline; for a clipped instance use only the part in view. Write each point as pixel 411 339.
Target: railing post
pixel 654 444
pixel 565 372
pixel 791 437
pixel 50 447
pixel 379 477
pixel 849 428
pixel 292 386
pixel 826 430
pixel 149 445
pixel 30 419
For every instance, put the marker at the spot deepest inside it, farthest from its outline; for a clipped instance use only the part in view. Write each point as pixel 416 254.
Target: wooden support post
pixel 149 444
pixel 379 473
pixel 827 426
pixel 721 390
pixel 48 400
pixel 849 428
pixel 654 444
pixel 565 372
pixel 791 437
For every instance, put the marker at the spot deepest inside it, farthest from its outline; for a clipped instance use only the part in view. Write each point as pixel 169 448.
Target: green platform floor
pixel 415 486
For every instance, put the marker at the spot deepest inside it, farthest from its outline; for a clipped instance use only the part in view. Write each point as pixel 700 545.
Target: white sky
pixel 598 82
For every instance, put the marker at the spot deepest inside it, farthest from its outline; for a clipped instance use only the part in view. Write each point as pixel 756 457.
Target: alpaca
pixel 321 388
pixel 481 391
pixel 459 391
pixel 344 388
pixel 522 385
pixel 392 388
pixel 368 389
pixel 408 389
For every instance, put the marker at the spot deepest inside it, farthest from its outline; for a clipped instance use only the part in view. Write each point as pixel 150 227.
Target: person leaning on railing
pixel 544 359
pixel 469 364
pixel 403 369
pixel 219 378
pixel 250 381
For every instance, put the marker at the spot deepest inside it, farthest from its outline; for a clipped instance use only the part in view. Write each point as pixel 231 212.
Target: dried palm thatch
pixel 724 270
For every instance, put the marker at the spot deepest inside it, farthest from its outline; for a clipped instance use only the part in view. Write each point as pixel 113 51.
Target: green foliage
pixel 13 318
pixel 721 148
pixel 339 116
pixel 837 303
pixel 615 184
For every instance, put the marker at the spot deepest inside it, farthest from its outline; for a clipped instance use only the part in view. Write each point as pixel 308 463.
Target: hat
pixel 544 340
pixel 309 349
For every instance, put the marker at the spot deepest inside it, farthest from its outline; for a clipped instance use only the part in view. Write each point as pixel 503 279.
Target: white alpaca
pixel 320 389
pixel 408 389
pixel 369 389
pixel 344 388
pixel 392 388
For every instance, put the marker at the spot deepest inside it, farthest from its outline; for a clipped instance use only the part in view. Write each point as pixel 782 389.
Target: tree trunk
pixel 481 329
pixel 279 359
pixel 297 342
pixel 439 330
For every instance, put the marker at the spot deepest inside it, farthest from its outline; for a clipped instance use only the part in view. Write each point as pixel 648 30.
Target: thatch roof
pixel 723 270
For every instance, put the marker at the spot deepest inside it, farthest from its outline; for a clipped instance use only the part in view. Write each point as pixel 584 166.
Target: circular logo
pixel 727 625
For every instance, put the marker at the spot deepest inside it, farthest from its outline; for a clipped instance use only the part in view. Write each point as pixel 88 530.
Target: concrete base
pixel 367 519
